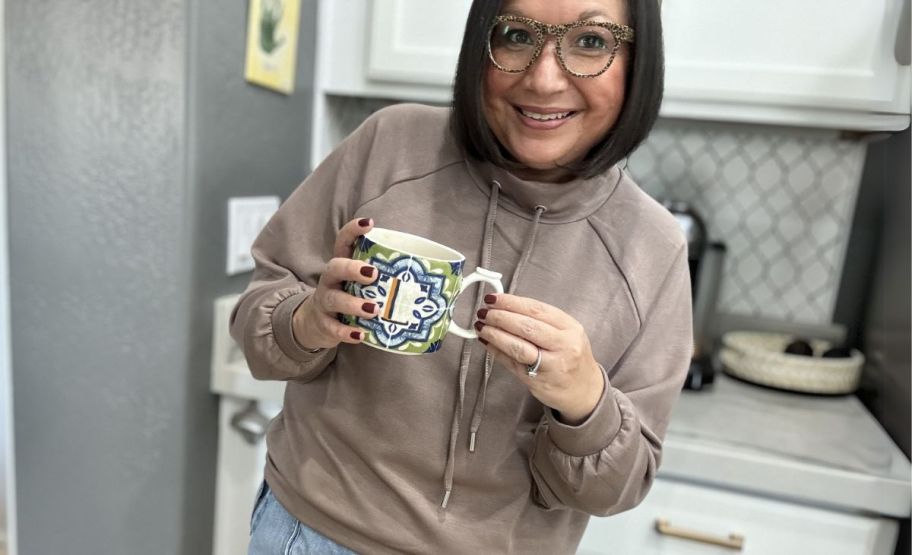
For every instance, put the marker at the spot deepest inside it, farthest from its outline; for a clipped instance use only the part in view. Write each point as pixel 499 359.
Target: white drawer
pixel 766 526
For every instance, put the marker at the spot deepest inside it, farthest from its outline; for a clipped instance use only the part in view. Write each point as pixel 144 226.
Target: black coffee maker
pixel 705 258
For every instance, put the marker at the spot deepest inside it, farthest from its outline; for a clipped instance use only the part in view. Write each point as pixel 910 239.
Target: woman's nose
pixel 546 75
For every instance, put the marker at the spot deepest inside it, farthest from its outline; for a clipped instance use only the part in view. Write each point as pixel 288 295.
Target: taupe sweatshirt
pixel 369 444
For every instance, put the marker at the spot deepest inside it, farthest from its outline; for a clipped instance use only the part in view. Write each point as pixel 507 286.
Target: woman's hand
pixel 315 322
pixel 569 379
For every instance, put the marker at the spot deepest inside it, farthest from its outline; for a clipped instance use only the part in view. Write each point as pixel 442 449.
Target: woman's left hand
pixel 569 379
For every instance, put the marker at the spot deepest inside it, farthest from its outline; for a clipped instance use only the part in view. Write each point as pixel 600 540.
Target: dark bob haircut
pixel 642 97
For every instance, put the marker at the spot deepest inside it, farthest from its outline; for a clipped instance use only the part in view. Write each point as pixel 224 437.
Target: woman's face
pixel 513 100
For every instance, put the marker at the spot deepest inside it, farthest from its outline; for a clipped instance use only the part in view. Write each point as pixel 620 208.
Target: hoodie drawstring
pixel 465 358
pixel 478 412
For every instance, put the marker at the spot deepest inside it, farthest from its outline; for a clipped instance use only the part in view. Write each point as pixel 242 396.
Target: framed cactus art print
pixel 272 42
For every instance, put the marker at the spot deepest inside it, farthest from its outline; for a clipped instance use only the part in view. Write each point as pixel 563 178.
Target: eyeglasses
pixel 584 48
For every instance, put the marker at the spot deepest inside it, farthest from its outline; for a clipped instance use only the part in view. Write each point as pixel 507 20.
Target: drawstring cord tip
pixel 446 499
pixel 472 442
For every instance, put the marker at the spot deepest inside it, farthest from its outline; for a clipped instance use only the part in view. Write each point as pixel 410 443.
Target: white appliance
pixel 241 455
pixel 245 408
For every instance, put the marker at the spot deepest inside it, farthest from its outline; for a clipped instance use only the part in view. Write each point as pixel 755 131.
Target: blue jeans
pixel 275 532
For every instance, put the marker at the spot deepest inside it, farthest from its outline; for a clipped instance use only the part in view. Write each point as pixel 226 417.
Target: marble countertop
pixel 821 450
pixel 826 451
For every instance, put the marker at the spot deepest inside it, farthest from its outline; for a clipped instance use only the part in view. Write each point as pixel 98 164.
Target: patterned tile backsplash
pixel 781 199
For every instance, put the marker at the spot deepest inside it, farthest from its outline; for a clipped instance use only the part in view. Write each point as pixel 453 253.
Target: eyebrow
pixel 591 13
pixel 588 14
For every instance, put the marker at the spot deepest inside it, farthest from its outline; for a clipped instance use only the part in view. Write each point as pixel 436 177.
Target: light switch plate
pixel 247 216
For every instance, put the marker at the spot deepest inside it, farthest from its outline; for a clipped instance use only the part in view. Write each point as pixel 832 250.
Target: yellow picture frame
pixel 272 44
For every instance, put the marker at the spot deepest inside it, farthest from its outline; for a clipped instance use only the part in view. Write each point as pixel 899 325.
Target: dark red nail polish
pixel 482 312
pixel 483 342
pixel 367 271
pixel 490 298
pixel 369 307
pixel 364 222
pixel 356 335
pixel 479 325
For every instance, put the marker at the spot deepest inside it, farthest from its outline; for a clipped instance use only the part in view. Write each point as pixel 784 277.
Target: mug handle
pixel 483 275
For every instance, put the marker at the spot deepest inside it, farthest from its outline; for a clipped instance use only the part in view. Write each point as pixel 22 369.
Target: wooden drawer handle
pixel 733 541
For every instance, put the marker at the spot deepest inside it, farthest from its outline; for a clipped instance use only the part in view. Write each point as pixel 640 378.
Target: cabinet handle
pixel 251 423
pixel 733 541
pixel 901 47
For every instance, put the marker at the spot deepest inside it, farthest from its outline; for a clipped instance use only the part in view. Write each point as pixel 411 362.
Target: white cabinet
pixel 349 32
pixel 809 63
pixel 805 63
pixel 416 41
pixel 706 521
pixel 346 67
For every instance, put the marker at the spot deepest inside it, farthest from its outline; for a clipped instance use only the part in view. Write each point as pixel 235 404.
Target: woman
pixel 509 444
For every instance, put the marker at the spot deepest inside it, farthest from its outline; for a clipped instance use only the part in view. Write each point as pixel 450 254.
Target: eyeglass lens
pixel 585 50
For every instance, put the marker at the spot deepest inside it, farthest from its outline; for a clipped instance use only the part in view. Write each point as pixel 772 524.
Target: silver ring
pixel 532 369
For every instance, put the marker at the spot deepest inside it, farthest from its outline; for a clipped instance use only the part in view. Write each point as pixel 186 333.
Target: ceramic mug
pixel 418 284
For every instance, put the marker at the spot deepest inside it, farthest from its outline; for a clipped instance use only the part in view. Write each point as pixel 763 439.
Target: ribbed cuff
pixel 593 434
pixel 283 331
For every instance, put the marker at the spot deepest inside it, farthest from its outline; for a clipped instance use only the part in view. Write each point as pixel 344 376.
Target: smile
pixel 545 117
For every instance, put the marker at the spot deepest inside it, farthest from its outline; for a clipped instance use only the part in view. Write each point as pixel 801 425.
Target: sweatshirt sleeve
pixel 606 464
pixel 290 255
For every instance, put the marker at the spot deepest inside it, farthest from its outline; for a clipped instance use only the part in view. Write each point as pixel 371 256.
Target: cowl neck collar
pixel 564 202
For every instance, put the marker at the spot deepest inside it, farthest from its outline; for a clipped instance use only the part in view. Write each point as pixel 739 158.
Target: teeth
pixel 544 117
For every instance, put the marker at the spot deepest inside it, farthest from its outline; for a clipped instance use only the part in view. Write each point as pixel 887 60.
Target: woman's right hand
pixel 315 322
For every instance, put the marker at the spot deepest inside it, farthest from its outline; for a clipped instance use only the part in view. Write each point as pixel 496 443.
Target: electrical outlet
pixel 247 216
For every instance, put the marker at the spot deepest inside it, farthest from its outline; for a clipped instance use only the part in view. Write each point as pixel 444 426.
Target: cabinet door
pixel 416 41
pixel 838 54
pixel 764 526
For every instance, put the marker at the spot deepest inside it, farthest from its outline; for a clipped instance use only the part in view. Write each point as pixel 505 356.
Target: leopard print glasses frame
pixel 621 34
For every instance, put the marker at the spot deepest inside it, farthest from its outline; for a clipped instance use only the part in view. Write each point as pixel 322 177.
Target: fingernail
pixel 483 342
pixel 367 271
pixel 482 312
pixel 479 325
pixel 356 335
pixel 490 298
pixel 369 307
pixel 364 222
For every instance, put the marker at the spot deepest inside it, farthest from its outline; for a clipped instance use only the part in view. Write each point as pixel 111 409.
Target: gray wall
pixel 875 294
pixel 885 332
pixel 129 124
pixel 887 327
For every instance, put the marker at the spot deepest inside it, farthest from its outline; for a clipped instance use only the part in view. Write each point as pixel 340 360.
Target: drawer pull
pixel 733 541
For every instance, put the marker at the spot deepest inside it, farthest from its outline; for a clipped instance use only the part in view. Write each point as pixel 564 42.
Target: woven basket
pixel 759 358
